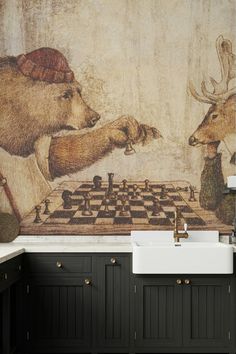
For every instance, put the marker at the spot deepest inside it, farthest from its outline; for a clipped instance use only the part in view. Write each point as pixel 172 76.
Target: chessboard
pixel 138 206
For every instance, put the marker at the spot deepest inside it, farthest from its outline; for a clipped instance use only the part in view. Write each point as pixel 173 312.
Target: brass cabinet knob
pixel 178 281
pixel 59 264
pixel 187 281
pixel 87 281
pixel 19 267
pixel 5 276
pixel 113 260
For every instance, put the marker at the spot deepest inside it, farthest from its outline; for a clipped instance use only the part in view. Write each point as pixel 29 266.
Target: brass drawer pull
pixel 113 260
pixel 87 281
pixel 178 281
pixel 59 264
pixel 187 281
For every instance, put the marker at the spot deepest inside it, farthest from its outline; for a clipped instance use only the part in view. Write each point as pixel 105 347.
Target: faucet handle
pixel 185 227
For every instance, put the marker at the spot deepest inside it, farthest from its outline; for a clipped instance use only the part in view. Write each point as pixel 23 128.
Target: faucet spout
pixel 179 234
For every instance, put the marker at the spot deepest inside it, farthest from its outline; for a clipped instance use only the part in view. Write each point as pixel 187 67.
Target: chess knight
pixel 40 98
pixel 218 124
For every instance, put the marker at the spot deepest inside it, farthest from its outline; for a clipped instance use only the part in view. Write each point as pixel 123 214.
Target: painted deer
pixel 220 119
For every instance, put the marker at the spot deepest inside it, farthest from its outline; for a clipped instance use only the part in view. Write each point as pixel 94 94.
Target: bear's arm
pixel 72 153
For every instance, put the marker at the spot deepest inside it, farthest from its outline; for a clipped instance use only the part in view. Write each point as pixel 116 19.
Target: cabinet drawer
pixel 10 272
pixel 58 263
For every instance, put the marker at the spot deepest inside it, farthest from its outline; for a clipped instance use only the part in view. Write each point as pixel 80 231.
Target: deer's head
pixel 220 119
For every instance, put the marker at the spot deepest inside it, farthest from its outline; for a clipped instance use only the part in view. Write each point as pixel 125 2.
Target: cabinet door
pixel 112 300
pixel 158 310
pixel 206 312
pixel 59 313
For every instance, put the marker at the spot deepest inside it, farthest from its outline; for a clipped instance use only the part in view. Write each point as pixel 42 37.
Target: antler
pixel 228 71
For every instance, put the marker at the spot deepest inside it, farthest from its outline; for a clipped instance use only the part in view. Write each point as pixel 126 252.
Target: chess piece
pixel 156 207
pixel 97 183
pixel 123 200
pixel 67 200
pixel 110 194
pixel 87 208
pixel 129 150
pixel 147 186
pixel 106 203
pixel 163 194
pixel 46 210
pixel 37 219
pixel 125 187
pixel 192 190
pixel 135 188
pixel 182 189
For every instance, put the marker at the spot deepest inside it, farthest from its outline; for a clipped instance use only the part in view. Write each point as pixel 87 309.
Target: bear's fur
pixel 30 109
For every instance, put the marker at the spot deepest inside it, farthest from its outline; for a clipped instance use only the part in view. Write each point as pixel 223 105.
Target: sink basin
pixel 157 253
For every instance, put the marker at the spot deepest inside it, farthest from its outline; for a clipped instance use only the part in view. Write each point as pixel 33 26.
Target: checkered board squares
pixel 139 211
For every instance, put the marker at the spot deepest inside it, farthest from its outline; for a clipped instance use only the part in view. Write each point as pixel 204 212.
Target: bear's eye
pixel 214 116
pixel 67 94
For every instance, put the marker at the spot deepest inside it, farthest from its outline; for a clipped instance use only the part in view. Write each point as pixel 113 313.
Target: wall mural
pixel 46 123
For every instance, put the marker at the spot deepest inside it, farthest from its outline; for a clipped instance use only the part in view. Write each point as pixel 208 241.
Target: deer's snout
pixel 192 140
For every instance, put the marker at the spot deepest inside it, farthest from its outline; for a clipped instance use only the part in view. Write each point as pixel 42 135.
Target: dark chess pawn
pixel 156 207
pixel 37 219
pixel 97 183
pixel 123 200
pixel 192 190
pixel 136 192
pixel 46 210
pixel 87 207
pixel 67 200
pixel 147 187
pixel 163 194
pixel 106 203
pixel 125 187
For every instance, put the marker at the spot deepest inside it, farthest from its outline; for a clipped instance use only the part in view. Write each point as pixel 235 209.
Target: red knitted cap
pixel 45 64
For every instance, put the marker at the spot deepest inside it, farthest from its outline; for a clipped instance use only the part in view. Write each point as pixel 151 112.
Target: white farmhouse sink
pixel 156 252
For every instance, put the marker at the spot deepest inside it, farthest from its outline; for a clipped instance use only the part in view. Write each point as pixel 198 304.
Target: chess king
pixel 39 98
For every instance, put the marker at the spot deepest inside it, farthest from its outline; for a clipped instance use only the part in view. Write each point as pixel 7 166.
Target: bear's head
pixel 39 95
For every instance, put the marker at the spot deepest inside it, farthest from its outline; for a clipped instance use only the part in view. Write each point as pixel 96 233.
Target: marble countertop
pixel 77 244
pixel 66 244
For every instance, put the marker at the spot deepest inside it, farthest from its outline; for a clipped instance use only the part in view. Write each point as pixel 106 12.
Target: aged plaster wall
pixel 135 57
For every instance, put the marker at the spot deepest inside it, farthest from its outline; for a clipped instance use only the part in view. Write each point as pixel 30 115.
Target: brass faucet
pixel 177 233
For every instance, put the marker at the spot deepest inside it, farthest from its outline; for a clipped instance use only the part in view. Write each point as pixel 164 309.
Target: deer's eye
pixel 214 116
pixel 67 94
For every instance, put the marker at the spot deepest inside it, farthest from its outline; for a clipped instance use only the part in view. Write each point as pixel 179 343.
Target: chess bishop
pixel 43 128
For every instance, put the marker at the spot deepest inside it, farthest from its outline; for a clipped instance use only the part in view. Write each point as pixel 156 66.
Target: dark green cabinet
pixel 10 275
pixel 175 311
pixel 206 312
pixel 158 309
pixel 111 295
pixel 58 313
